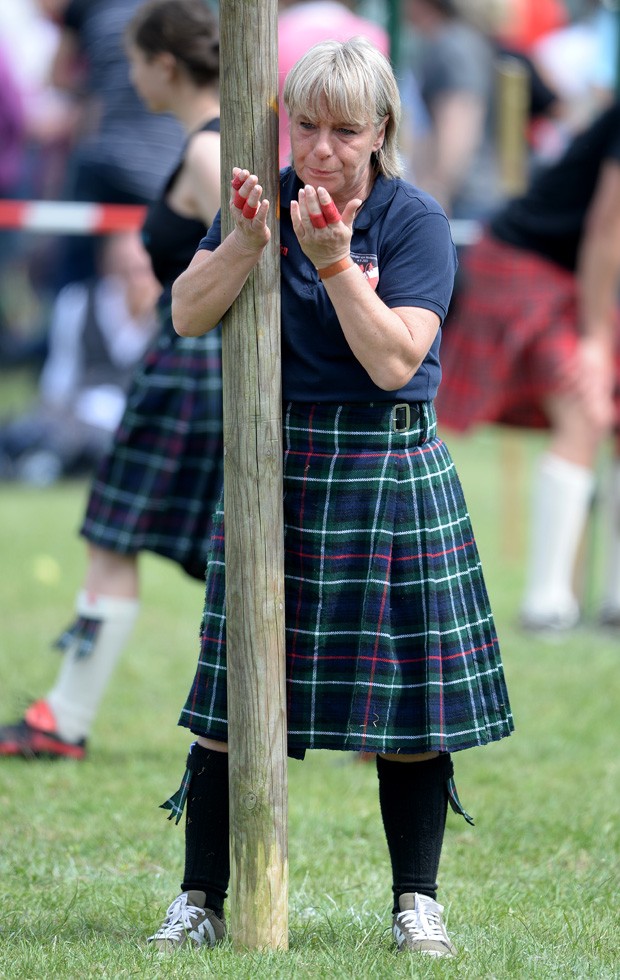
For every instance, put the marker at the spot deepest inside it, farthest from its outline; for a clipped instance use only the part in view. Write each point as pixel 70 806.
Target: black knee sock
pixel 207 861
pixel 414 800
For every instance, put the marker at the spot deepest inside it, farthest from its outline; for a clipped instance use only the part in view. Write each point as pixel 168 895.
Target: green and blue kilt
pixel 158 487
pixel 390 641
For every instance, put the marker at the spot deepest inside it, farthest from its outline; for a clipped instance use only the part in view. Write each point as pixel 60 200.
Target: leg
pixel 413 794
pixel 109 600
pixel 562 495
pixel 198 912
pixel 610 608
pixel 107 607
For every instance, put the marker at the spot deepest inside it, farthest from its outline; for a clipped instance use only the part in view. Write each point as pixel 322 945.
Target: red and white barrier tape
pixel 70 217
pixel 74 218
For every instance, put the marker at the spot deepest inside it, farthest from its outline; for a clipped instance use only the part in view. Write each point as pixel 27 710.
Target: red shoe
pixel 35 736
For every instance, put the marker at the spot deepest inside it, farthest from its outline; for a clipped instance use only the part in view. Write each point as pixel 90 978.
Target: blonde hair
pixel 357 84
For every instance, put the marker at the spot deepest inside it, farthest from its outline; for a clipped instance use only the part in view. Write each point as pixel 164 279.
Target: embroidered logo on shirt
pixel 369 264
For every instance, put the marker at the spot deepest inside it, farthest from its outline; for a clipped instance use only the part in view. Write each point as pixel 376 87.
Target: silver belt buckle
pixel 401 417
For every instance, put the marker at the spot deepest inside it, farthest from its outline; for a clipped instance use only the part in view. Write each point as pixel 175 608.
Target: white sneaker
pixel 551 625
pixel 419 926
pixel 188 920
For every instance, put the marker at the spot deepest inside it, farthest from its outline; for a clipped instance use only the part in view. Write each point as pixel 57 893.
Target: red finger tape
pixel 249 212
pixel 237 182
pixel 239 201
pixel 330 213
pixel 317 220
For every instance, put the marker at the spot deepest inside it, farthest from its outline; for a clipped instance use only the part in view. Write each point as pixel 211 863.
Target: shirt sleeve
pixel 417 261
pixel 213 238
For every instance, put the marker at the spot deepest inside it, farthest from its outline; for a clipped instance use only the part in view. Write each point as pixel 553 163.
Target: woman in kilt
pixel 158 487
pixel 391 646
pixel 533 340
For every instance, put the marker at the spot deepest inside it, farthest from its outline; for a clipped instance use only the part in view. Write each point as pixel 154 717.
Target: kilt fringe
pixel 455 804
pixel 176 802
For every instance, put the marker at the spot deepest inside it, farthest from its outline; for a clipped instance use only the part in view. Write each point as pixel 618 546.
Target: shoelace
pixel 422 924
pixel 178 919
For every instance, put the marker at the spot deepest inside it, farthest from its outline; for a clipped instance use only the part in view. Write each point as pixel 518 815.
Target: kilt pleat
pixel 390 639
pixel 157 488
pixel 510 332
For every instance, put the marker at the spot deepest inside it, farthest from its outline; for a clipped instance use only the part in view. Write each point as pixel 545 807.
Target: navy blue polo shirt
pixel 402 242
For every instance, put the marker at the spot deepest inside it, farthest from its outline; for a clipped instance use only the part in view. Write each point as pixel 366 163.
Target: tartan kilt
pixel 509 333
pixel 157 488
pixel 390 640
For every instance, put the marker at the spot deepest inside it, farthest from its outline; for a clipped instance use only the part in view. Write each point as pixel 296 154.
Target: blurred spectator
pixel 33 150
pixel 533 340
pixel 122 151
pixel 604 69
pixel 12 127
pixel 29 41
pixel 580 61
pixel 99 331
pixel 527 21
pixel 306 22
pixel 454 67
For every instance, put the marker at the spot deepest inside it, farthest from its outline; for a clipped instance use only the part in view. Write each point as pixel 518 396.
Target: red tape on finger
pixel 317 220
pixel 239 201
pixel 330 213
pixel 237 182
pixel 249 212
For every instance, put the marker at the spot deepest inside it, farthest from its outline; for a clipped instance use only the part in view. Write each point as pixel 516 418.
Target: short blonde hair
pixel 357 83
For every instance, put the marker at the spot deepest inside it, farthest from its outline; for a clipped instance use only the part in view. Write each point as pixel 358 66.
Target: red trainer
pixel 35 736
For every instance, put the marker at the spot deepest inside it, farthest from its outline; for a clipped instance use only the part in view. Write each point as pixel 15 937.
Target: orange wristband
pixel 335 268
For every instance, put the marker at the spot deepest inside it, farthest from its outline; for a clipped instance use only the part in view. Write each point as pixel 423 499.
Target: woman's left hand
pixel 323 233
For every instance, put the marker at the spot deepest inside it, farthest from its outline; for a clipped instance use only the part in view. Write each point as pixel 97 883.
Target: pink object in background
pixel 305 24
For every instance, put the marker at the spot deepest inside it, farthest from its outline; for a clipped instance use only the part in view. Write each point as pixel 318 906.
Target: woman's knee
pixel 210 743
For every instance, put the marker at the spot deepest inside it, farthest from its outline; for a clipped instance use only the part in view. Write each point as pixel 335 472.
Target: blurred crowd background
pixel 77 311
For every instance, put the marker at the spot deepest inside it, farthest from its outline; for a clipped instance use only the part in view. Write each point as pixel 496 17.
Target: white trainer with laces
pixel 187 920
pixel 419 926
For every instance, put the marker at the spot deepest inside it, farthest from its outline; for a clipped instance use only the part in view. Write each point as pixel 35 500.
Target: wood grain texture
pixel 253 497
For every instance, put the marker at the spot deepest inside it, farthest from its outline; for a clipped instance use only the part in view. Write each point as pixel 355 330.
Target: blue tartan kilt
pixel 159 485
pixel 390 640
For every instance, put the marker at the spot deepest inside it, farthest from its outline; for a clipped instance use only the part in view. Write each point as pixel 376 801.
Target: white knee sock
pixel 562 495
pixel 84 677
pixel 611 587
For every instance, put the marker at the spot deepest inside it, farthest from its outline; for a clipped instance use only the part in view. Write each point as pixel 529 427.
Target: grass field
pixel 88 862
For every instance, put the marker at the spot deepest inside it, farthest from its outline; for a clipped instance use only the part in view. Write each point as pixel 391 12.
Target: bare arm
pixel 598 266
pixel 197 189
pixel 213 280
pixel 390 344
pixel 458 129
pixel 591 375
pixel 64 71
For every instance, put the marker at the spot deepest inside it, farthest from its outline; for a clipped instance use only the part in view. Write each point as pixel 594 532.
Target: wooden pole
pixel 512 115
pixel 513 91
pixel 253 497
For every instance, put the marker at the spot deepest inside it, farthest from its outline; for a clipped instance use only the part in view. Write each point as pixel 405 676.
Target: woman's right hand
pixel 249 212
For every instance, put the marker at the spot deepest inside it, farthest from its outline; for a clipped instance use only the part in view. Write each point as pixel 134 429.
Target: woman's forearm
pixel 389 344
pixel 209 286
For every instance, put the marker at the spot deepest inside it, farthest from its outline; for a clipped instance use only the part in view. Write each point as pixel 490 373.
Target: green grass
pixel 88 862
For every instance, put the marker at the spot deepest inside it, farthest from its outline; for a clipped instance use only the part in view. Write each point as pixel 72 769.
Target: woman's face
pixel 335 154
pixel 150 78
